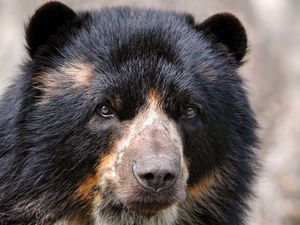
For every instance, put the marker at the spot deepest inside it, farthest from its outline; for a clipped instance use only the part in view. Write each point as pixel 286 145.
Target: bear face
pixel 128 116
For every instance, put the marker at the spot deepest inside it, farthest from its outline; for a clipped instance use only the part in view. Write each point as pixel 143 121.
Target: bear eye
pixel 105 111
pixel 190 112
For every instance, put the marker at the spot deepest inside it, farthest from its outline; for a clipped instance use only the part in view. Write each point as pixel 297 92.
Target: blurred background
pixel 272 75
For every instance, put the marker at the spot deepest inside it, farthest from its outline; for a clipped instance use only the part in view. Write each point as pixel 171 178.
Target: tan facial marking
pixel 153 97
pixel 85 190
pixel 203 185
pixel 79 72
pixel 48 84
pixel 89 189
pixel 54 82
pixel 107 172
pixel 46 81
pixel 75 220
pixel 150 117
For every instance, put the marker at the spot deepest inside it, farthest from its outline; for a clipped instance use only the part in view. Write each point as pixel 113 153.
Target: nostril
pixel 155 177
pixel 148 176
pixel 168 177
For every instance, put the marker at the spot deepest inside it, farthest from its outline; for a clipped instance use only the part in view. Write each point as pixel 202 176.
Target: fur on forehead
pixel 76 72
pixel 55 81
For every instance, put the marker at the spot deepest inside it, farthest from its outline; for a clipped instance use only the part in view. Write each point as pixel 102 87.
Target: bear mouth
pixel 148 203
pixel 147 209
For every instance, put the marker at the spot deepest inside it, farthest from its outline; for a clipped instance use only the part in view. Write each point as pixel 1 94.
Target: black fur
pixel 227 29
pixel 45 22
pixel 47 149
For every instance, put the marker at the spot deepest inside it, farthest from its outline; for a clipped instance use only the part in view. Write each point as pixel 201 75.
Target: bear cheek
pixel 96 186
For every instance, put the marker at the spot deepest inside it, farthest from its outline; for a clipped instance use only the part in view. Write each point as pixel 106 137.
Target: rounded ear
pixel 227 29
pixel 45 22
pixel 189 19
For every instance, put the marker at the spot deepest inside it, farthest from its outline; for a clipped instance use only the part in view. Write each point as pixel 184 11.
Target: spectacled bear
pixel 127 117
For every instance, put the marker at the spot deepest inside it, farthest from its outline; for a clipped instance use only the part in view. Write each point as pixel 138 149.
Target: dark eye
pixel 190 112
pixel 105 111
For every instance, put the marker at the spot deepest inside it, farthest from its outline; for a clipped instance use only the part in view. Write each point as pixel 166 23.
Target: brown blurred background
pixel 272 74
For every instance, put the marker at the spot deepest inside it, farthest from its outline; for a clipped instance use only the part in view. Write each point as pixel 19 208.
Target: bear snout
pixel 156 173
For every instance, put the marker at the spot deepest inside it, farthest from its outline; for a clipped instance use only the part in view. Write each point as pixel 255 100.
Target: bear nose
pixel 156 174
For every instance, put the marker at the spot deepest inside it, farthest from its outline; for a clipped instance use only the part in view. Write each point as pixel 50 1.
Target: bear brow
pixel 80 72
pixel 147 44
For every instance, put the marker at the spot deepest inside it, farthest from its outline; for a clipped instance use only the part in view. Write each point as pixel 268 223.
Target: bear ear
pixel 227 29
pixel 45 22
